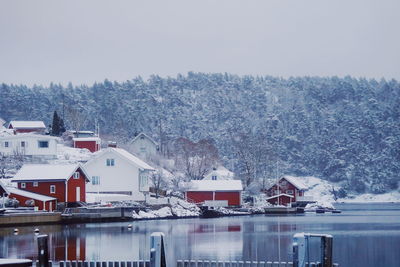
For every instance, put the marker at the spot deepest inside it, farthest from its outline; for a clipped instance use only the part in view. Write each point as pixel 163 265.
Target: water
pixel 364 235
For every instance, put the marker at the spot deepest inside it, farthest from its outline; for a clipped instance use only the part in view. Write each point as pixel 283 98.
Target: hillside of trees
pixel 340 129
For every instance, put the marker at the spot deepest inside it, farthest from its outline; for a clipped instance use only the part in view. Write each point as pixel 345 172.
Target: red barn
pixel 90 143
pixel 215 192
pixel 286 191
pixel 66 183
pixel 27 126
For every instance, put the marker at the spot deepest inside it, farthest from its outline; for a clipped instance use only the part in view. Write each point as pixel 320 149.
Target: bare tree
pixel 158 180
pixel 77 118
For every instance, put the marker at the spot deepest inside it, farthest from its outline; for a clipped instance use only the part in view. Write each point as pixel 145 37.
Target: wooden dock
pixel 29 218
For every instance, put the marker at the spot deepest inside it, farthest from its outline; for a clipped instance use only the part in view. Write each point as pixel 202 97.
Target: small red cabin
pixel 66 183
pixel 90 143
pixel 27 126
pixel 227 193
pixel 286 191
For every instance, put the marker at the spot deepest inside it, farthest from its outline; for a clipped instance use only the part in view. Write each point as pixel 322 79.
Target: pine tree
pixel 55 127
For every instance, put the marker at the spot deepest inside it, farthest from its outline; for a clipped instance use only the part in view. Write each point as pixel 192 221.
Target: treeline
pixel 340 129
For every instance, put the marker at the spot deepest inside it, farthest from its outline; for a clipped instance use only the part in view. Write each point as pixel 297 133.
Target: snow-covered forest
pixel 340 129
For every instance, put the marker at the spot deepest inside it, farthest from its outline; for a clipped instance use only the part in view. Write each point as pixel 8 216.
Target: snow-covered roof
pixel 280 195
pixel 126 155
pixel 221 172
pixel 28 194
pixel 2 122
pixel 4 187
pixel 215 185
pixel 140 163
pixel 145 135
pixel 27 124
pixel 86 139
pixel 295 181
pixel 45 172
pixel 29 135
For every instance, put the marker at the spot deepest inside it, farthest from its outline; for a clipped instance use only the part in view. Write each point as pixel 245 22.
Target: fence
pixel 158 256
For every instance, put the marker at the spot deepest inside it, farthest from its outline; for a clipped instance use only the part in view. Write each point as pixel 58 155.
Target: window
pixel 43 144
pixel 290 192
pixel 6 144
pixel 143 150
pixel 76 175
pixel 143 182
pixel 35 184
pixel 95 180
pixel 23 144
pixel 214 177
pixel 283 182
pixel 52 189
pixel 110 162
pixel 23 185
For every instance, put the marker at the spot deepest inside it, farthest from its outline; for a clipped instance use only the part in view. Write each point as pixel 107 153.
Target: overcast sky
pixel 88 41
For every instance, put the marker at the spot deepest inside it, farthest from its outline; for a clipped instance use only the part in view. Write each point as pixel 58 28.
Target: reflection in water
pixel 362 237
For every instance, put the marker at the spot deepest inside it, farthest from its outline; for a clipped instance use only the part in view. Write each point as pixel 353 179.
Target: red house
pixel 287 190
pixel 66 183
pixel 225 193
pixel 90 143
pixel 27 126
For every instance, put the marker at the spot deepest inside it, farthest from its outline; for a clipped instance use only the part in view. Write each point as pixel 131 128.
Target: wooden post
pixel 43 251
pixel 326 249
pixel 157 250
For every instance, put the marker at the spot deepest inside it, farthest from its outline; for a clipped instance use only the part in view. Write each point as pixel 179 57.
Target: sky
pixel 83 42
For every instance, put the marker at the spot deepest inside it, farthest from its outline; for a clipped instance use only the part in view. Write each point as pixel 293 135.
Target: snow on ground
pixel 393 196
pixel 321 191
pixel 179 208
pixel 67 154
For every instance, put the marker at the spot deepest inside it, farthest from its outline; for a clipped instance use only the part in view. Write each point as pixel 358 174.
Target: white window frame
pixel 214 177
pixel 7 144
pixel 95 180
pixel 52 189
pixel 42 141
pixel 23 144
pixel 35 184
pixel 76 175
pixel 289 192
pixel 23 185
pixel 110 162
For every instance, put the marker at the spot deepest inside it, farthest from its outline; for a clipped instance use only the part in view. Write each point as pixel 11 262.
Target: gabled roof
pixel 2 122
pixel 295 181
pixel 280 195
pixel 28 194
pixel 44 172
pixel 4 188
pixel 126 155
pixel 27 124
pixel 145 135
pixel 215 185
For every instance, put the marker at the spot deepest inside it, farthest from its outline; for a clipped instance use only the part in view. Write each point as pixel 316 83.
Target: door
pixel 78 194
pixel 51 206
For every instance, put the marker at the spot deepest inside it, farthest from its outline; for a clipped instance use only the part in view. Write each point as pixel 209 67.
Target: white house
pixel 33 145
pixel 115 171
pixel 219 173
pixel 144 146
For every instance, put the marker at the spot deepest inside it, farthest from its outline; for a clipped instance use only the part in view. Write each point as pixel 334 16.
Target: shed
pixel 218 192
pixel 65 182
pixel 41 201
pixel 27 126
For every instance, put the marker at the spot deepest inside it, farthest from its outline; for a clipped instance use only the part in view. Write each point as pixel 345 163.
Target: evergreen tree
pixel 55 127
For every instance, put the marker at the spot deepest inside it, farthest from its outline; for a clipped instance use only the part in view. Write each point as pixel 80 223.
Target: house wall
pixel 44 189
pixel 144 148
pixel 121 178
pixel 31 145
pixel 283 200
pixel 73 184
pixel 92 146
pixel 233 198
pixel 284 188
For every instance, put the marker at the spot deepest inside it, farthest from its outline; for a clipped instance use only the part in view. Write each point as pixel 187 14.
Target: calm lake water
pixel 364 235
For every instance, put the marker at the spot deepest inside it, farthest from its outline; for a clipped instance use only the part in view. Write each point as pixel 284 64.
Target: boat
pixel 280 210
pixel 320 210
